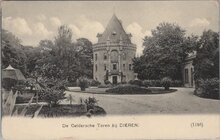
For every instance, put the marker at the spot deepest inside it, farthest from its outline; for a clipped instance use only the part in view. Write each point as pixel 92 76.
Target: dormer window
pixel 114 33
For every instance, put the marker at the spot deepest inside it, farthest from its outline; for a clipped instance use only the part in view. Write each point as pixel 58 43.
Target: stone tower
pixel 113 54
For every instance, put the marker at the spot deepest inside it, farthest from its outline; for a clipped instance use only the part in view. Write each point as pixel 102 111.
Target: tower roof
pixel 114 32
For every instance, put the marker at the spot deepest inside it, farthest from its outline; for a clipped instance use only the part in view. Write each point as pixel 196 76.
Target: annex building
pixel 113 54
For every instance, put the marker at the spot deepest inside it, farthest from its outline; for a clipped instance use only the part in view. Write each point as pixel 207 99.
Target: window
pixel 123 66
pixel 114 67
pixel 130 67
pixel 96 57
pixel 186 76
pixel 124 56
pixel 105 56
pixel 114 56
pixel 96 67
pixel 105 67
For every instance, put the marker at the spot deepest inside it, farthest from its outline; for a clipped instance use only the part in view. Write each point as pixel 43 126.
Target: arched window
pixel 105 56
pixel 124 56
pixel 114 56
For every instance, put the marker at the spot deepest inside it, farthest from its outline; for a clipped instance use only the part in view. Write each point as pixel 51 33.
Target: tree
pixel 164 53
pixel 206 63
pixel 64 59
pixel 13 52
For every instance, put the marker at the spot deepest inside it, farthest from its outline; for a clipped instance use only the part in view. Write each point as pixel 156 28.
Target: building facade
pixel 113 54
pixel 188 71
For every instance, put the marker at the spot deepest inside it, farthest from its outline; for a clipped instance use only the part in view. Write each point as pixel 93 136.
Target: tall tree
pixel 164 53
pixel 206 63
pixel 13 52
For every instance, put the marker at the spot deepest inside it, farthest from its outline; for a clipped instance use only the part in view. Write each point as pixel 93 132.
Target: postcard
pixel 110 70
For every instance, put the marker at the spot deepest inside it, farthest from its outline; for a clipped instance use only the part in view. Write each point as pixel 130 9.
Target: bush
pixel 166 82
pixel 128 89
pixel 107 82
pixel 94 83
pixel 136 82
pixel 105 86
pixel 209 87
pixel 146 83
pixel 82 83
pixel 176 83
pixel 90 103
pixel 52 96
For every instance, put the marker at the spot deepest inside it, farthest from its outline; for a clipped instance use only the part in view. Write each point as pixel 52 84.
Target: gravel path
pixel 180 102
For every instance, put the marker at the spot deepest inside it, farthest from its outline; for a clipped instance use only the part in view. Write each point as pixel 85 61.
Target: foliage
pixel 82 82
pixel 107 82
pixel 9 105
pixel 209 88
pixel 105 86
pixel 158 83
pixel 94 83
pixel 12 52
pixel 62 58
pixel 146 83
pixel 128 89
pixel 166 82
pixel 206 63
pixel 8 83
pixel 135 82
pixel 90 102
pixel 52 91
pixel 164 53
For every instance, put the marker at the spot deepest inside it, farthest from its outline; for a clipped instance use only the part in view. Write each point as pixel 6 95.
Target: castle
pixel 113 54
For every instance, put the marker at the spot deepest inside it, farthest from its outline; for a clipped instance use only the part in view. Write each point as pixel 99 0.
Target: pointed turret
pixel 114 32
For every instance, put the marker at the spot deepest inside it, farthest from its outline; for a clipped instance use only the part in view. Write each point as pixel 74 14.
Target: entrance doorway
pixel 114 80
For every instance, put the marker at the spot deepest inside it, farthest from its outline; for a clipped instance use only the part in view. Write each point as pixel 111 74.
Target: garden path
pixel 180 102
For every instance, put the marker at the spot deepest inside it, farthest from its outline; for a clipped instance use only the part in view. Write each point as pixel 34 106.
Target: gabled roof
pixel 114 32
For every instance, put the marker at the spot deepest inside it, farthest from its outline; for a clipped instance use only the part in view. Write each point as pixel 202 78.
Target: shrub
pixel 52 96
pixel 94 83
pixel 90 103
pixel 9 105
pixel 105 86
pixel 135 82
pixel 166 82
pixel 82 82
pixel 176 83
pixel 107 82
pixel 128 89
pixel 209 87
pixel 146 83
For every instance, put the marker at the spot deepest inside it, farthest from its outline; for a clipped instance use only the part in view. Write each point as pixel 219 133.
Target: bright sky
pixel 36 20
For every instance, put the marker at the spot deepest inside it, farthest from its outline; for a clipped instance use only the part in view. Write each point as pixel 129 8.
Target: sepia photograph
pixel 100 59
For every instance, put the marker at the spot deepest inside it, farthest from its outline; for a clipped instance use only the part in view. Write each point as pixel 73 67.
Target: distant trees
pixel 61 59
pixel 164 53
pixel 65 59
pixel 13 52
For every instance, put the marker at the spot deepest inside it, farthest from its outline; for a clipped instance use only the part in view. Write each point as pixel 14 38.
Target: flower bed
pixel 128 89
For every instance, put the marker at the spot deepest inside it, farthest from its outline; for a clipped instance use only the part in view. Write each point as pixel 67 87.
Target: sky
pixel 32 21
